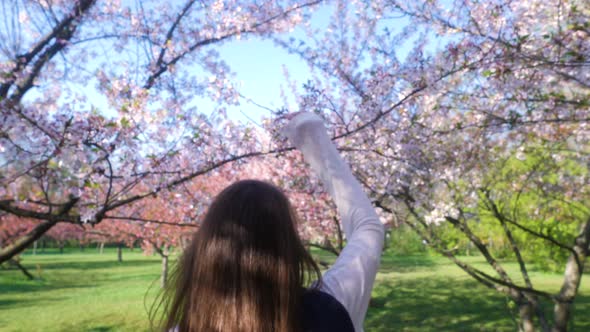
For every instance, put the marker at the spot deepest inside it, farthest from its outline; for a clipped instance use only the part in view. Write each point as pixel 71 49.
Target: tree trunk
pixel 43 246
pixel 164 271
pixel 26 240
pixel 540 313
pixel 574 269
pixel 561 315
pixel 39 274
pixel 120 253
pixel 525 313
pixel 101 250
pixel 35 247
pixel 16 263
pixel 61 247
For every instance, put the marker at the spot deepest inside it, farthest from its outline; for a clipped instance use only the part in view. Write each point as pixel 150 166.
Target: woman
pixel 246 268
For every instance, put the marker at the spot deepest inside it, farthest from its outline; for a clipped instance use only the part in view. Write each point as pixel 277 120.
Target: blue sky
pixel 258 65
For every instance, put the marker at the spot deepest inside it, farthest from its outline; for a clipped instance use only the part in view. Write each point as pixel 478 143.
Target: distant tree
pixel 62 233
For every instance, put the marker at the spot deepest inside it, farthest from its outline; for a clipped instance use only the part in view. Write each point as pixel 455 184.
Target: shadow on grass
pixel 14 282
pixel 46 301
pixel 91 265
pixel 11 303
pixel 389 263
pixel 448 304
pixel 101 329
pixel 26 286
pixel 83 326
pixel 403 264
pixel 437 304
pixel 581 318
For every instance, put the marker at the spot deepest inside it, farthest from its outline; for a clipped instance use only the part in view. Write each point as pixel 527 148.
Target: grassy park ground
pixel 87 291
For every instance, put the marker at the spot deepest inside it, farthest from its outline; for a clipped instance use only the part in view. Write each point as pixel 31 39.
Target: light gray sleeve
pixel 350 280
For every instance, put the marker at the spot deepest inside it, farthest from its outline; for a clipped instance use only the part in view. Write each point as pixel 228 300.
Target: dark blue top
pixel 323 313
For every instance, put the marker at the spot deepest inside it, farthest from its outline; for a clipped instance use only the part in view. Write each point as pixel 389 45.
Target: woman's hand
pixel 302 126
pixel 290 116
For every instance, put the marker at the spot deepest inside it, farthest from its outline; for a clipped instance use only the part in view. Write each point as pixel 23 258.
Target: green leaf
pixel 52 164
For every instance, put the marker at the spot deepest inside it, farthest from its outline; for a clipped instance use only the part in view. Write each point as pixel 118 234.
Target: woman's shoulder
pixel 323 313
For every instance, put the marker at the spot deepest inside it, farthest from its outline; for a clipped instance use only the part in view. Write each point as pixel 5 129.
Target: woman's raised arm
pixel 350 280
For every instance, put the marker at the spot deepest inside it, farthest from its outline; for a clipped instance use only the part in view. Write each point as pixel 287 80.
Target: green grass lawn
pixel 85 291
pixel 432 294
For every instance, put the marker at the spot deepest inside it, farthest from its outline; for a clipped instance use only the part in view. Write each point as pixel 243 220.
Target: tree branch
pixel 500 217
pixel 152 221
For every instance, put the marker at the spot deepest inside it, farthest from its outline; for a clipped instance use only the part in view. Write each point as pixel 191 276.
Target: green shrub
pixel 404 241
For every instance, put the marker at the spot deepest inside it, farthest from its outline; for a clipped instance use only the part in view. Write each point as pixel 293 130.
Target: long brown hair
pixel 245 269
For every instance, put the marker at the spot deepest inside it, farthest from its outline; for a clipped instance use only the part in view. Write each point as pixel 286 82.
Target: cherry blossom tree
pixel 160 224
pixel 63 232
pixel 13 227
pixel 97 97
pixel 455 113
